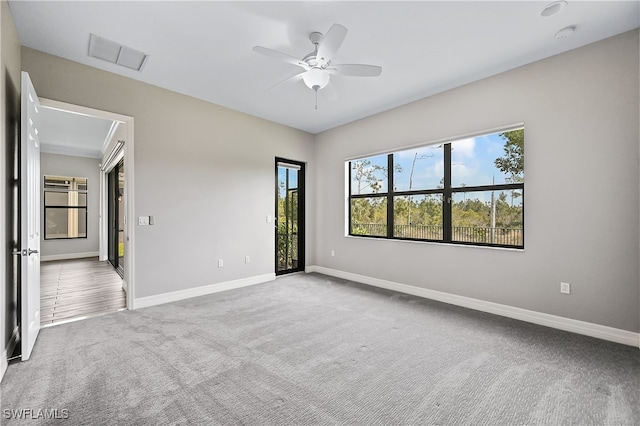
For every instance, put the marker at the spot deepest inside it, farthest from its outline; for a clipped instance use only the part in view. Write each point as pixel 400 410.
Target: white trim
pixel 82 110
pixel 107 139
pixel 561 323
pixel 66 256
pixel 174 296
pixel 129 243
pixel 70 151
pixel 103 219
pixel 4 358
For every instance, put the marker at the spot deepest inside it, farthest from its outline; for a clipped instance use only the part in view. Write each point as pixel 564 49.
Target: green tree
pixel 366 175
pixel 513 161
pixel 369 215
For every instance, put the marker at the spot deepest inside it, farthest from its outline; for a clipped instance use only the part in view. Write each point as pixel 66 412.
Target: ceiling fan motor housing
pixel 312 58
pixel 315 37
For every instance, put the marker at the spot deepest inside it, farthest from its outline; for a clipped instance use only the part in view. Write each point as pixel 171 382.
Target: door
pixel 115 183
pixel 289 222
pixel 29 218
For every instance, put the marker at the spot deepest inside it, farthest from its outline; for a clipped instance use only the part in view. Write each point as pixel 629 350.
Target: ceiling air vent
pixel 116 53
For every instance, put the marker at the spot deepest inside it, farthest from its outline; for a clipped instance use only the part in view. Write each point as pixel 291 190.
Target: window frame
pixel 447 192
pixel 47 207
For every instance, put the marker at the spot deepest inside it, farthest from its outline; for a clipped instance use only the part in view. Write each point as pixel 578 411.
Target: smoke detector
pixel 565 32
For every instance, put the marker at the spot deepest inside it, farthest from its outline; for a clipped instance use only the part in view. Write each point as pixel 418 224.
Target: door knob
pixel 30 252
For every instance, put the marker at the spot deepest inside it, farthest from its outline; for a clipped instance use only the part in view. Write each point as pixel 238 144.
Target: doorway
pixel 289 223
pixel 116 213
pixel 112 153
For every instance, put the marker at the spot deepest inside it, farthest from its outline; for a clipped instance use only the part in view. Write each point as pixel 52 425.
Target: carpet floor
pixel 311 349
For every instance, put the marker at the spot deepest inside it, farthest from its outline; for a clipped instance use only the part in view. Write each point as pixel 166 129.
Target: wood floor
pixel 71 289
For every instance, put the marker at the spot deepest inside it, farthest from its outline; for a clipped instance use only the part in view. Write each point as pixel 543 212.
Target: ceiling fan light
pixel 316 78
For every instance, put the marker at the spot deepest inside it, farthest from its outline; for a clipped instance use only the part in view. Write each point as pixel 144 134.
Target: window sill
pixel 433 243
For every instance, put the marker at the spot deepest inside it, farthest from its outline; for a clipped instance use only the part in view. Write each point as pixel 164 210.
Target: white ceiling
pixel 204 48
pixel 69 133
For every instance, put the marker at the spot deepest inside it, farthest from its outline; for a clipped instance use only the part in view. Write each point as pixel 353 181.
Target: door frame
pixel 301 216
pixel 127 152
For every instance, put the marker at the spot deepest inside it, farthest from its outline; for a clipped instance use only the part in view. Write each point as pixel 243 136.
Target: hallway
pixel 71 289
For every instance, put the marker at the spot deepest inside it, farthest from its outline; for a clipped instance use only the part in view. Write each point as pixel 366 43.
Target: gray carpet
pixel 310 349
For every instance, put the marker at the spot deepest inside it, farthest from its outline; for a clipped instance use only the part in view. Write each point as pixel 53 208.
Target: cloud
pixel 438 168
pixel 464 148
pixel 462 171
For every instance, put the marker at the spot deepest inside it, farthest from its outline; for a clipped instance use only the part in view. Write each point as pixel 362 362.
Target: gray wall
pixel 64 165
pixel 9 128
pixel 581 194
pixel 205 172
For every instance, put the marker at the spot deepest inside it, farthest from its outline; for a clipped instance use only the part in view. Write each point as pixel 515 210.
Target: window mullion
pixel 390 196
pixel 447 195
pixel 350 229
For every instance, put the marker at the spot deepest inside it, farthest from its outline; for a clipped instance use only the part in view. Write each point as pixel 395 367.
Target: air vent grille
pixel 116 53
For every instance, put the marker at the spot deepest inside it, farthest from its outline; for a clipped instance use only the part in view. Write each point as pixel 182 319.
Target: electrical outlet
pixel 143 220
pixel 333 253
pixel 220 263
pixel 247 259
pixel 565 288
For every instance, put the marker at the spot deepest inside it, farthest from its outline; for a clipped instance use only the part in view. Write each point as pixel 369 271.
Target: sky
pixel 282 179
pixel 473 163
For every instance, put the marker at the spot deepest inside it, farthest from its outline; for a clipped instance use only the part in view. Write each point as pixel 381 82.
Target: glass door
pixel 289 216
pixel 115 180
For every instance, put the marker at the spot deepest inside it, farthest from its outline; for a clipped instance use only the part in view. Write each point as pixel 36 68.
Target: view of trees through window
pixel 288 232
pixel 467 191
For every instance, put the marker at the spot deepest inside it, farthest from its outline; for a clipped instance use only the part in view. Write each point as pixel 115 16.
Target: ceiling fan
pixel 317 65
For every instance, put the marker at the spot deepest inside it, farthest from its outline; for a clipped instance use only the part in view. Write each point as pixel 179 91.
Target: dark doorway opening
pixel 115 183
pixel 289 223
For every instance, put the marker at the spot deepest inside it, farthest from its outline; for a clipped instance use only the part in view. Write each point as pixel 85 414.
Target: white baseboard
pixel 4 358
pixel 67 256
pixel 174 296
pixel 567 324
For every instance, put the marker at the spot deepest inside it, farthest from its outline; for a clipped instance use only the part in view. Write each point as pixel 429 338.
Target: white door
pixel 29 217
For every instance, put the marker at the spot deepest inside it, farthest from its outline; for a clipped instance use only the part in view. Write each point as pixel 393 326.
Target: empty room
pixel 320 212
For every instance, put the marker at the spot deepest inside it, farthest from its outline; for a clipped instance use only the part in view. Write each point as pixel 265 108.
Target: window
pixel 466 191
pixel 65 207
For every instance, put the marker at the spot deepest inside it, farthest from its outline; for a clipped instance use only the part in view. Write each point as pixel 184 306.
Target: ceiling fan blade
pixel 279 55
pixel 329 92
pixel 294 78
pixel 330 43
pixel 356 70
